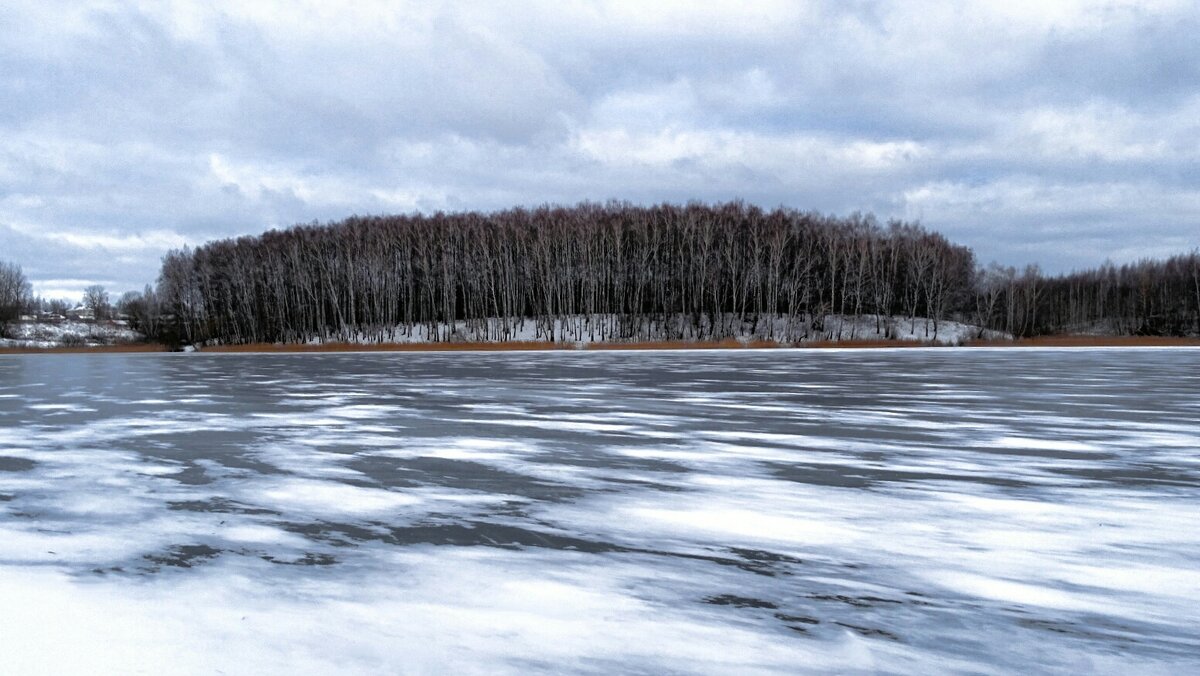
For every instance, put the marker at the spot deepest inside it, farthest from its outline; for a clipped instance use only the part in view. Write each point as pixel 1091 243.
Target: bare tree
pixel 990 283
pixel 95 298
pixel 15 292
pixel 143 310
pixel 617 271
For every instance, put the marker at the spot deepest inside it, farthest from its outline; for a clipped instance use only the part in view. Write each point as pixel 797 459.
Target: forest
pixel 617 272
pixel 611 272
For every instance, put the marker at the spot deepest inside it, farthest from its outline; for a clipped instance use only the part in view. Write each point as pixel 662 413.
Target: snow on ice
pixel 912 511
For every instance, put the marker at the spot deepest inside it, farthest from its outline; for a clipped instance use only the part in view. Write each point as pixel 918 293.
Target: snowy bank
pixel 68 333
pixel 584 330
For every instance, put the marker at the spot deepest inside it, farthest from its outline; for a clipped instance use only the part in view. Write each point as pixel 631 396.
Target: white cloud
pixel 1075 14
pixel 771 154
pixel 68 289
pixel 1098 131
pixel 101 242
pixel 1019 219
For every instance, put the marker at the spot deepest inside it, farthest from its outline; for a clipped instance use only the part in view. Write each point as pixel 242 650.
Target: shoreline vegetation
pixel 614 274
pixel 1063 341
pixel 628 274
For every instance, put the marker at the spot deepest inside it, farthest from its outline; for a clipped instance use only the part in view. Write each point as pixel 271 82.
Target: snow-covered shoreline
pixel 583 331
pixel 67 333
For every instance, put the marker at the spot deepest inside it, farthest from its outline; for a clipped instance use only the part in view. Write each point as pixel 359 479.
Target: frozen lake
pixel 881 511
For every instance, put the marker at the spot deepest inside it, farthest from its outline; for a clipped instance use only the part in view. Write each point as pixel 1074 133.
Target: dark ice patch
pixel 856 601
pixel 183 556
pixel 590 457
pixel 740 602
pixel 461 475
pixel 821 475
pixel 11 464
pixel 1133 475
pixel 802 619
pixel 797 623
pixel 459 534
pixel 217 506
pixel 758 566
pixel 309 559
pixel 1091 627
pixel 192 475
pixel 858 476
pixel 383 470
pixel 339 534
pixel 1052 454
pixel 235 449
pixel 483 534
pixel 869 632
pixel 642 483
pixel 764 562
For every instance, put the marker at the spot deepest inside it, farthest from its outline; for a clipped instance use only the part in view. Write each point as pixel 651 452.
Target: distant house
pixel 82 313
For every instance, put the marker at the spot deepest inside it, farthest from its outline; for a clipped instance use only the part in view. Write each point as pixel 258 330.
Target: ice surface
pixel 905 511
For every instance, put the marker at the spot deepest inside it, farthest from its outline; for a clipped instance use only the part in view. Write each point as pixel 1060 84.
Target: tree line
pixel 1149 297
pixel 619 272
pixel 609 272
pixel 15 292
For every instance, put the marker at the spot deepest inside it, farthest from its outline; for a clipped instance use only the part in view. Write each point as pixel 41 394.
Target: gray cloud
pixel 1059 133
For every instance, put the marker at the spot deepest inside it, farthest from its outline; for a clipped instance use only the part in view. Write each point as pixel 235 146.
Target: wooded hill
pixel 618 272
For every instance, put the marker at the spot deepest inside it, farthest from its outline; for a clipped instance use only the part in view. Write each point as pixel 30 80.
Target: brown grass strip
pixel 1092 341
pixel 99 349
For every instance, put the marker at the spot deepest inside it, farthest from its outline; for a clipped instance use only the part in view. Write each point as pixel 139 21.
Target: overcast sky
pixel 1061 132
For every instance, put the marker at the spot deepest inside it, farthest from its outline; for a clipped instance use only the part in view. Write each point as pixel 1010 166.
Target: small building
pixel 82 313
